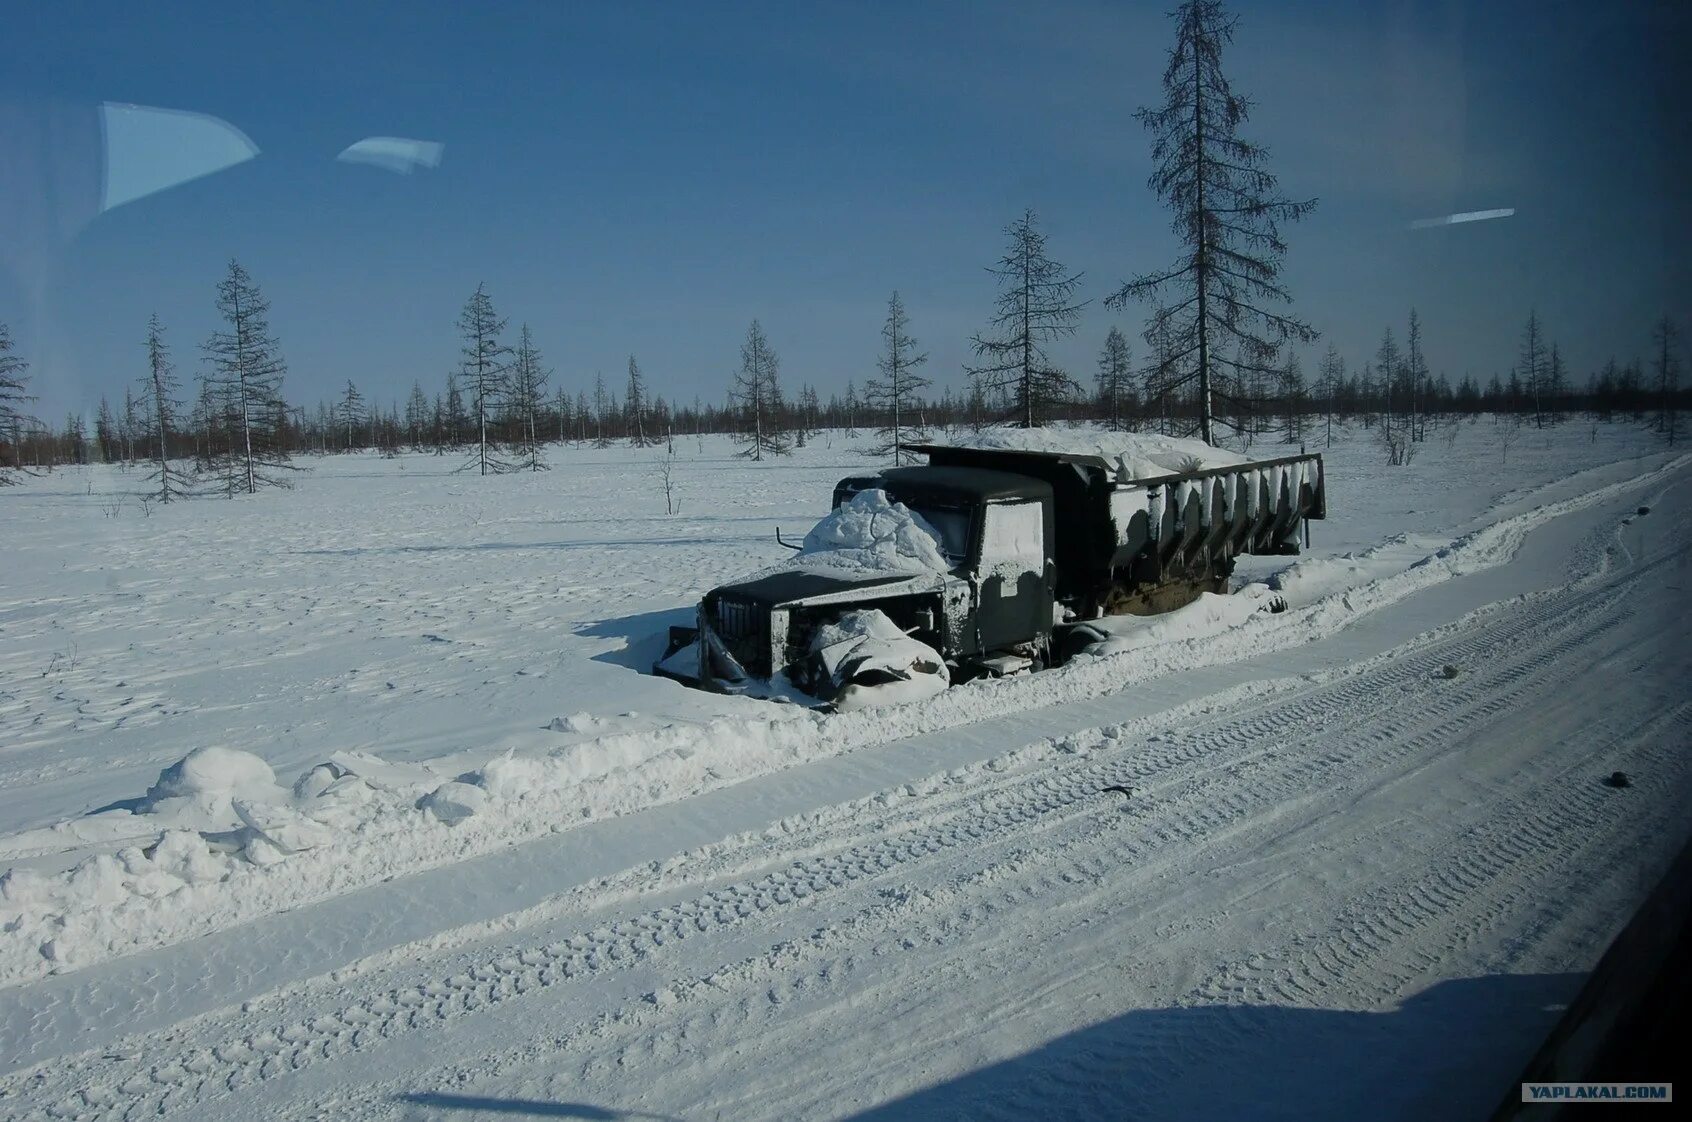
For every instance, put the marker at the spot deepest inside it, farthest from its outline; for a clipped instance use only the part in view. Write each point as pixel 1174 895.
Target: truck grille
pixel 745 631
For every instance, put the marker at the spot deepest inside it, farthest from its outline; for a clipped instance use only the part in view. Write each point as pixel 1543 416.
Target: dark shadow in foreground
pixel 532 1108
pixel 1447 1052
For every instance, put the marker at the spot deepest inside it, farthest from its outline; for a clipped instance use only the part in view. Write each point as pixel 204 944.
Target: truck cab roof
pixel 949 485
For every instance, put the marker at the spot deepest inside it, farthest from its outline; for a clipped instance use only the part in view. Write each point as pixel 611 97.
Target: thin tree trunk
pixel 1027 349
pixel 1203 265
pixel 241 376
pixel 159 410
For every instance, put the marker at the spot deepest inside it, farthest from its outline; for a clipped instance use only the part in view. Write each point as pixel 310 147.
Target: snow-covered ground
pixel 439 846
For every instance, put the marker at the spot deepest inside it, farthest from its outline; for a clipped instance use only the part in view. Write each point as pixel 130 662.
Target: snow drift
pixel 873 662
pixel 868 534
pixel 1136 455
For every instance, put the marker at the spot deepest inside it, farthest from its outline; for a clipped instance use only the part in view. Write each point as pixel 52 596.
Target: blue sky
pixel 648 178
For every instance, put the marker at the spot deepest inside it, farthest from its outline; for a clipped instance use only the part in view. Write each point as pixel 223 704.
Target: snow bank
pixel 1205 617
pixel 219 819
pixel 1309 579
pixel 872 534
pixel 1137 455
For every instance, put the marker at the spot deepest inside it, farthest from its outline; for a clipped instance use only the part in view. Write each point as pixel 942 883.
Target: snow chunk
pixel 185 855
pixel 871 533
pixel 319 779
pixel 510 776
pixel 1134 455
pixel 453 802
pixel 209 780
pixel 287 830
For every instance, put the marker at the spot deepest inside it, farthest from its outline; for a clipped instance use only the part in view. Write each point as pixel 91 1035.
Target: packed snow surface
pixel 1135 455
pixel 871 534
pixel 363 805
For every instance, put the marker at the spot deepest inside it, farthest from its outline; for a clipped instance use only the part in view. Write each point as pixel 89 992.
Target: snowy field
pixel 444 850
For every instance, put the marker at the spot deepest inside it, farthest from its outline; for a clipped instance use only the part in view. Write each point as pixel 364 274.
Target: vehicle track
pixel 1481 878
pixel 1194 784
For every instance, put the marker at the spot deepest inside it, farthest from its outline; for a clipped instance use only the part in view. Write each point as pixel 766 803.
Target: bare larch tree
pixel 601 410
pixel 1394 432
pixel 14 391
pixel 1294 399
pixel 893 394
pixel 161 386
pixel 416 415
pixel 525 401
pixel 351 409
pixel 637 407
pixel 1416 368
pixel 1036 306
pixel 1217 295
pixel 1116 388
pixel 758 393
pixel 1665 339
pixel 1330 380
pixel 1531 365
pixel 483 362
pixel 244 384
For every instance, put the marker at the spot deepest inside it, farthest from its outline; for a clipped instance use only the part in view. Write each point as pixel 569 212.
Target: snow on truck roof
pixel 1130 455
pixel 978 483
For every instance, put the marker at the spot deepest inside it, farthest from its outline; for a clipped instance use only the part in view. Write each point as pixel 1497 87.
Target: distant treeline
pixel 442 424
pixel 1391 392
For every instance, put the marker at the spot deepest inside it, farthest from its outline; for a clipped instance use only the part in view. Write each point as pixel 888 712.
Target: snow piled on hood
pixel 1137 455
pixel 868 641
pixel 871 534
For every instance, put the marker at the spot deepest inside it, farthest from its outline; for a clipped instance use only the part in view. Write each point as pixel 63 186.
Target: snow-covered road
pixel 1344 882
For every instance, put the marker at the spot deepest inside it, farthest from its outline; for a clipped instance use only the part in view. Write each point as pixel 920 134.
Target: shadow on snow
pixel 1452 1051
pixel 629 543
pixel 531 1108
pixel 644 635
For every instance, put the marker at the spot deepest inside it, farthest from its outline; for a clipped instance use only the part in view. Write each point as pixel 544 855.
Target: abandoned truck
pixel 987 561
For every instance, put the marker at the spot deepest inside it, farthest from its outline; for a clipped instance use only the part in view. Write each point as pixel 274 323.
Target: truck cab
pixel 997 527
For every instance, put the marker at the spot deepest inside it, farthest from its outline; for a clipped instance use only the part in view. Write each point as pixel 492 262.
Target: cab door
pixel 1013 575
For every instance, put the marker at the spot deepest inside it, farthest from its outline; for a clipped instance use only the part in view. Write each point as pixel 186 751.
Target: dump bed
pixel 1112 527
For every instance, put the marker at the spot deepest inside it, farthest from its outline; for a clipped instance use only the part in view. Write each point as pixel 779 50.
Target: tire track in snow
pixel 1058 873
pixel 1485 875
pixel 1187 807
pixel 1535 835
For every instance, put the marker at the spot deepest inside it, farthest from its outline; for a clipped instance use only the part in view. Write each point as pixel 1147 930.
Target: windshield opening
pixel 951 524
